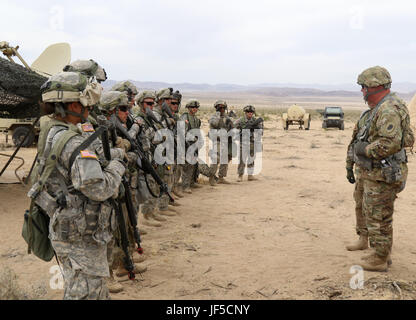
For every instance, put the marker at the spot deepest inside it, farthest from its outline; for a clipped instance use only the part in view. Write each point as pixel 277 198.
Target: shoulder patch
pixel 87 127
pixel 87 154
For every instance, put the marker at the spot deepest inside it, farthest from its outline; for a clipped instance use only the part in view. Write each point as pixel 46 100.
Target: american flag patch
pixel 87 154
pixel 87 127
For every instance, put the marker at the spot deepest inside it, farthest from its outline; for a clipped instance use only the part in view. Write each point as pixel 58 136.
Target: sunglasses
pixel 175 103
pixel 149 103
pixel 123 108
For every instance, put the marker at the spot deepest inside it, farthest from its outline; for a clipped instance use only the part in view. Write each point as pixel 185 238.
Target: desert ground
pixel 281 237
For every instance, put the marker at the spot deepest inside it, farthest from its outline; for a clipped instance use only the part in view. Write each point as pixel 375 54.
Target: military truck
pixel 333 117
pixel 296 115
pixel 20 89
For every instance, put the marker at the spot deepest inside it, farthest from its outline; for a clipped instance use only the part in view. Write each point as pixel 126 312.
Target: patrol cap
pixel 193 104
pixel 220 102
pixel 68 87
pixel 113 99
pixel 125 86
pixel 374 77
pixel 89 68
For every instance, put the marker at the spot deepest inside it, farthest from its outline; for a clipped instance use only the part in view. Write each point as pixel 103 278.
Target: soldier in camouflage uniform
pixel 148 202
pixel 247 123
pixel 77 186
pixel 116 102
pixel 380 152
pixel 191 122
pixel 220 120
pixel 177 169
pixel 165 171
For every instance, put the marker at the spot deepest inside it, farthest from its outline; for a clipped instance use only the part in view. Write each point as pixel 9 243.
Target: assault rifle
pixel 142 160
pixel 116 204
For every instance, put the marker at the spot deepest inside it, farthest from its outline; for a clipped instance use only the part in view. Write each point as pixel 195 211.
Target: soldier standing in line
pixel 220 120
pixel 191 122
pixel 82 224
pixel 247 122
pixel 380 152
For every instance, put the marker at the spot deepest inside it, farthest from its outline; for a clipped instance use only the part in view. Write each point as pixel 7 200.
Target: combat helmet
pixel 219 103
pixel 125 86
pixel 249 108
pixel 89 68
pixel 144 95
pixel 164 94
pixel 111 100
pixel 374 77
pixel 193 104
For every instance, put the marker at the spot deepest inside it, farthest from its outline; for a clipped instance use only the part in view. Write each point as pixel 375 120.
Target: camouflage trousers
pixel 168 178
pixel 188 174
pixel 148 203
pixel 378 207
pixel 177 174
pixel 80 282
pixel 243 161
pixel 114 246
pixel 361 224
pixel 205 170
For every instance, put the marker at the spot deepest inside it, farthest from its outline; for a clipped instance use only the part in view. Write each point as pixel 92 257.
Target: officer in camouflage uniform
pixel 148 202
pixel 73 188
pixel 116 102
pixel 191 122
pixel 247 123
pixel 220 120
pixel 379 151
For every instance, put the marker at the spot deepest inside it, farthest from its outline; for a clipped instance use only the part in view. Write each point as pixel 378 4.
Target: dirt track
pixel 282 237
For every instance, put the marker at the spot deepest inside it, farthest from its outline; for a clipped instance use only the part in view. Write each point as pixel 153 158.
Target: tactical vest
pixel 194 122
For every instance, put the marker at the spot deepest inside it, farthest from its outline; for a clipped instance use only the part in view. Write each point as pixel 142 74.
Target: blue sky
pixel 242 42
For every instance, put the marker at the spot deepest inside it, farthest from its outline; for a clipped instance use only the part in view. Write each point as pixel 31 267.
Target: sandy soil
pixel 281 237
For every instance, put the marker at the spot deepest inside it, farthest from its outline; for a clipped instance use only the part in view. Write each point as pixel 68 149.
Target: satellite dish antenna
pixel 53 59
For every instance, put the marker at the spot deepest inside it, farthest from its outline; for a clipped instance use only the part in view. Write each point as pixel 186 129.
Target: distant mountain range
pixel 407 89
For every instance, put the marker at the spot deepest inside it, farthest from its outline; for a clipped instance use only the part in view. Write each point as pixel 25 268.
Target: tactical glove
pixel 350 176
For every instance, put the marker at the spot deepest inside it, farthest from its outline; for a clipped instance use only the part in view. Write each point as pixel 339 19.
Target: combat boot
pixel 157 217
pixel 177 192
pixel 375 263
pixel 195 186
pixel 174 204
pixel 212 181
pixel 368 256
pixel 252 178
pixel 142 231
pixel 121 271
pixel 188 190
pixel 223 181
pixel 167 213
pixel 113 285
pixel 148 221
pixel 240 179
pixel 137 258
pixel 360 244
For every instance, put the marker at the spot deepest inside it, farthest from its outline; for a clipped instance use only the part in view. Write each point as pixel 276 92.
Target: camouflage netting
pixel 19 90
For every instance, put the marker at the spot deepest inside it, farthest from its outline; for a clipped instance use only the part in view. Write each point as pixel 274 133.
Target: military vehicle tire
pixel 309 124
pixel 324 125
pixel 341 127
pixel 20 132
pixel 287 125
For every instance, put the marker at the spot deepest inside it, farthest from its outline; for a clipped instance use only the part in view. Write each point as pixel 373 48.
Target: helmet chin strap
pixel 78 115
pixel 372 93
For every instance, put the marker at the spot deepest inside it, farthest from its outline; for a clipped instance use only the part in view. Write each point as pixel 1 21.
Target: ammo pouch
pixel 390 167
pixel 35 231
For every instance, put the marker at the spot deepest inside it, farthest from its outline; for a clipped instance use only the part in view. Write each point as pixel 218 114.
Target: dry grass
pixel 11 290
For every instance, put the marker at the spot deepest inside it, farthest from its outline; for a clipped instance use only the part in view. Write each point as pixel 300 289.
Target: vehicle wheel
pixel 341 127
pixel 324 126
pixel 20 132
pixel 287 125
